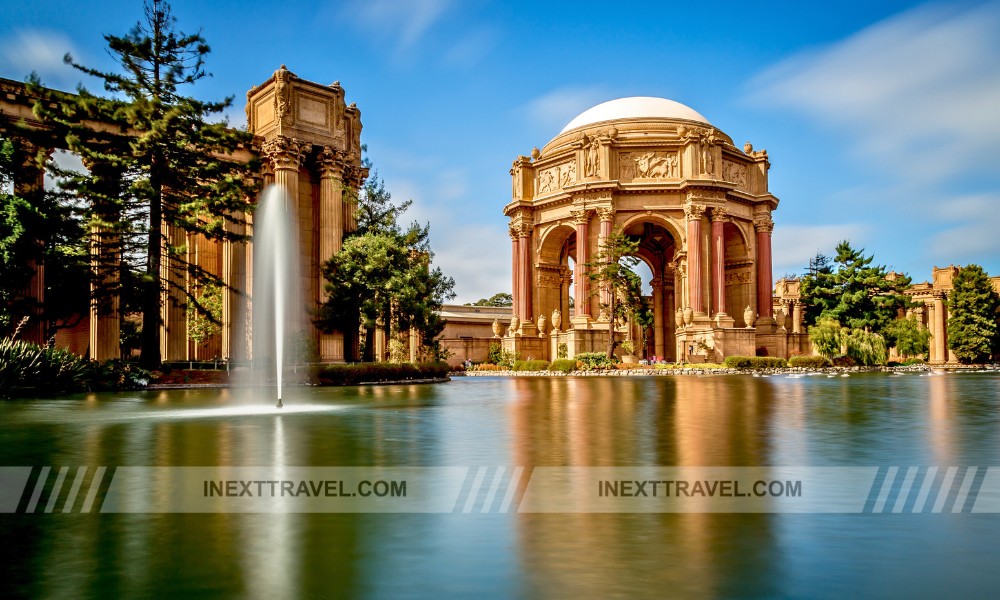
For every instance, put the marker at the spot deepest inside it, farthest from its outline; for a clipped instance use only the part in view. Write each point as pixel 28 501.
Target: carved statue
pixel 496 328
pixel 748 316
pixel 282 93
pixel 779 318
pixel 593 165
pixel 515 324
pixel 556 319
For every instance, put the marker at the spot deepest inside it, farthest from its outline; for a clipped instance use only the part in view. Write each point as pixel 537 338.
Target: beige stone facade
pixel 700 207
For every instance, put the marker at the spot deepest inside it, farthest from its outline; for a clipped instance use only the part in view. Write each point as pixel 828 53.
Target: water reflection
pixel 874 420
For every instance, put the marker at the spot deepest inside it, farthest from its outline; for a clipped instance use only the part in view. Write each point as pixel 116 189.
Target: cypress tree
pixel 973 333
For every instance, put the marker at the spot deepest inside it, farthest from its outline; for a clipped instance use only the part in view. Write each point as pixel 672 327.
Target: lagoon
pixel 485 428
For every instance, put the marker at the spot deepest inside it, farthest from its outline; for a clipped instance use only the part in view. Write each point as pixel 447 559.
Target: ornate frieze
pixel 650 166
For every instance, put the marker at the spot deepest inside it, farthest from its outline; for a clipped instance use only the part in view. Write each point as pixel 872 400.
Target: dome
pixel 636 107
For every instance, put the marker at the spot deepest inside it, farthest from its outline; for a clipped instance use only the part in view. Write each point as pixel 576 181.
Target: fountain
pixel 276 297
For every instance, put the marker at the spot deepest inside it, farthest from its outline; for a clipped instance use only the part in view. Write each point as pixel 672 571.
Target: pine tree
pixel 858 294
pixel 973 303
pixel 611 270
pixel 160 162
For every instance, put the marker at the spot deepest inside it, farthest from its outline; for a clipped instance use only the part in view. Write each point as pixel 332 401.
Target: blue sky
pixel 881 119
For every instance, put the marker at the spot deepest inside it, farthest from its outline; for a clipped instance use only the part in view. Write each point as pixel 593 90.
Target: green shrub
pixel 912 361
pixel 866 347
pixel 28 369
pixel 380 372
pixel 809 362
pixel 117 375
pixel 844 361
pixel 565 365
pixel 754 362
pixel 595 360
pixel 531 365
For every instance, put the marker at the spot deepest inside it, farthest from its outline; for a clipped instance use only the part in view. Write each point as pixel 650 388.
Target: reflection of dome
pixel 636 107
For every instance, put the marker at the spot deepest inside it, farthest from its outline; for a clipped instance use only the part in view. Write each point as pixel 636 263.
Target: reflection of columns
pixel 694 213
pixel 764 226
pixel 29 183
pixel 657 285
pixel 606 215
pixel 582 290
pixel 718 262
pixel 940 346
pixel 331 232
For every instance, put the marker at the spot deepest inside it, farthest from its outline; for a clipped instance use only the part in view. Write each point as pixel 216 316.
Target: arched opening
pixel 739 267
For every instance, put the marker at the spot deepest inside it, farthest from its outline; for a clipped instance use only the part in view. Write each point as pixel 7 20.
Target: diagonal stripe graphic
pixel 74 489
pixel 925 489
pixel 470 501
pixel 515 480
pixel 95 485
pixel 883 495
pixel 963 492
pixel 942 497
pixel 494 486
pixel 54 495
pixel 39 486
pixel 904 492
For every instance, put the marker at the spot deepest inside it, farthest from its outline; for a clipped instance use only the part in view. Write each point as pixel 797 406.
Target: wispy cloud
pixel 918 93
pixel 31 50
pixel 557 107
pixel 970 225
pixel 402 22
pixel 794 245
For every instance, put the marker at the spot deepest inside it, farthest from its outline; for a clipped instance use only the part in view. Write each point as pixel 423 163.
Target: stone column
pixel 765 288
pixel 606 216
pixel 581 299
pixel 797 317
pixel 524 273
pixel 658 325
pixel 331 234
pixel 29 183
pixel 515 268
pixel 173 306
pixel 105 264
pixel 939 331
pixel 234 264
pixel 719 217
pixel 694 213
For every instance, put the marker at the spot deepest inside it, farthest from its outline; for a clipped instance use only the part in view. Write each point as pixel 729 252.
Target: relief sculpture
pixel 648 165
pixel 557 177
pixel 735 173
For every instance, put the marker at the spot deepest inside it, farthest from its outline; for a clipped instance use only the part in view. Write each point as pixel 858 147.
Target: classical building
pixel 700 207
pixel 308 140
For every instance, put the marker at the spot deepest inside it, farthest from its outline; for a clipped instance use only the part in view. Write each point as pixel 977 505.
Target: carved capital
pixel 330 162
pixel 656 283
pixel 580 217
pixel 694 212
pixel 285 152
pixel 719 214
pixel 606 213
pixel 763 223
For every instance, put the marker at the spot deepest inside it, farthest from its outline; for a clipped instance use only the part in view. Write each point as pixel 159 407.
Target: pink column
pixel 718 262
pixel 694 213
pixel 607 216
pixel 524 273
pixel 515 254
pixel 764 226
pixel 581 296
